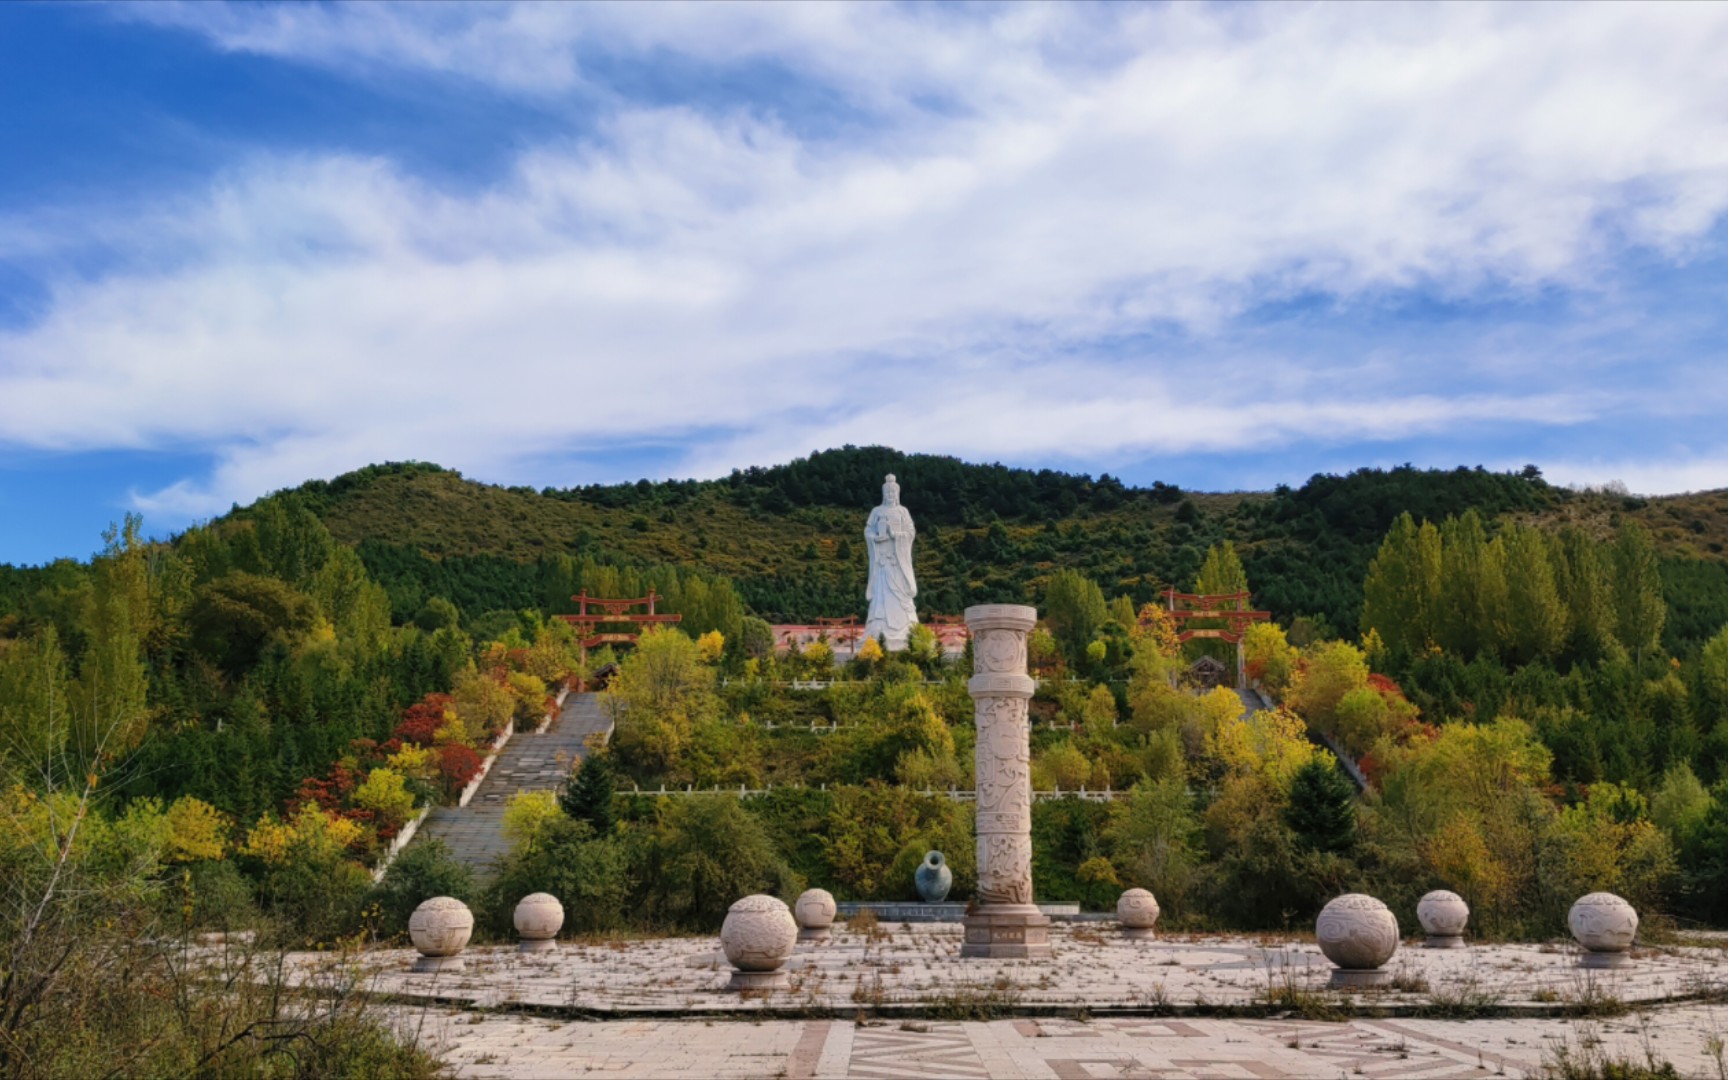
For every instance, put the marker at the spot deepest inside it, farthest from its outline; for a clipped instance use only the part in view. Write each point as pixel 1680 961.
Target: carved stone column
pixel 1003 922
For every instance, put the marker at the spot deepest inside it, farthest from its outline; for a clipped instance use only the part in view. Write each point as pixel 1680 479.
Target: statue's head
pixel 890 491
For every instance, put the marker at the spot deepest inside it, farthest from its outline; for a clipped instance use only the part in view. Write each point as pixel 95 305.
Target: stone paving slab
pixel 491 1045
pixel 915 970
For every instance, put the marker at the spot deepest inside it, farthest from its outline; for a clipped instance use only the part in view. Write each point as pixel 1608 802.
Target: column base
pixel 1444 941
pixel 759 980
pixel 1346 979
pixel 428 964
pixel 1603 960
pixel 814 935
pixel 1007 932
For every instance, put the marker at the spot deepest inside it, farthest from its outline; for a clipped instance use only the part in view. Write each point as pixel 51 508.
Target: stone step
pixel 530 761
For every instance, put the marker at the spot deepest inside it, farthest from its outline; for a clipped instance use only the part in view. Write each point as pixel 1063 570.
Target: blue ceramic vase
pixel 933 878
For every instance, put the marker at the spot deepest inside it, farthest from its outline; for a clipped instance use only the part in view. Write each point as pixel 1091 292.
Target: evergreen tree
pixel 588 796
pixel 1322 808
pixel 1638 605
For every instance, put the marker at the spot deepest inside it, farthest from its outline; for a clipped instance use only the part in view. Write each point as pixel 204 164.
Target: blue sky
pixel 1225 246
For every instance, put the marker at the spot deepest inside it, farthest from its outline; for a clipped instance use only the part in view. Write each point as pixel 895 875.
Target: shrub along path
pixel 529 762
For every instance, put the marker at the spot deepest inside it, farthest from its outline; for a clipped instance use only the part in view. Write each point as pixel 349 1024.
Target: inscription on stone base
pixel 1018 933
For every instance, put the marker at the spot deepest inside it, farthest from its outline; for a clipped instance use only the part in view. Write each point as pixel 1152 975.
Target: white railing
pixel 957 794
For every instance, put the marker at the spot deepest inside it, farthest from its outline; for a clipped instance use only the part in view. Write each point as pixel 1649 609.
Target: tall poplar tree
pixel 1221 572
pixel 1402 593
pixel 1587 589
pixel 1074 607
pixel 1639 608
pixel 1472 587
pixel 1535 612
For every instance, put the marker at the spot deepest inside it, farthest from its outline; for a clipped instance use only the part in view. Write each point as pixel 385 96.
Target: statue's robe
pixel 892 585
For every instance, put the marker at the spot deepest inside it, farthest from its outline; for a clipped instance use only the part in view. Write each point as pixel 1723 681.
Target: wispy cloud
pixel 1037 230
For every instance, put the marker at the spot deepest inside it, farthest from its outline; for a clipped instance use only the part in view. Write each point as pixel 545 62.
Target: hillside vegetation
pixel 229 728
pixel 787 536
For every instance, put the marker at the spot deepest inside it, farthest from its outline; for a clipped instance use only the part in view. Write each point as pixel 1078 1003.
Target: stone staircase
pixel 530 761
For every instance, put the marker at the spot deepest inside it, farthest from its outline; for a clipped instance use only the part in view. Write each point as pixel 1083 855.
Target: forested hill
pixel 788 535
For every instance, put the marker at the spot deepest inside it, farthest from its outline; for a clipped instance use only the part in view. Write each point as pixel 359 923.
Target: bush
pixel 703 853
pixel 211 895
pixel 590 876
pixel 423 870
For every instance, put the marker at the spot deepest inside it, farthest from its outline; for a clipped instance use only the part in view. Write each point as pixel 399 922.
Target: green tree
pixel 235 615
pixel 1152 837
pixel 436 614
pixel 1639 610
pixel 1535 610
pixel 756 637
pixel 588 796
pixel 1472 587
pixel 35 714
pixel 1222 571
pixel 423 870
pixel 704 852
pixel 593 877
pixel 1586 586
pixel 1402 596
pixel 109 710
pixel 1322 808
pixel 662 691
pixel 1074 608
pixel 1713 673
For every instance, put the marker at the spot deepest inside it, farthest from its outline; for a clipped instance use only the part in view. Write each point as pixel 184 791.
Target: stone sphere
pixel 539 917
pixel 1357 932
pixel 1137 910
pixel 815 909
pixel 1442 914
pixel 758 934
pixel 1604 923
pixel 441 926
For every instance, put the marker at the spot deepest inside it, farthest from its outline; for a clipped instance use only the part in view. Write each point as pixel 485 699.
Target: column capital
pixel 1021 617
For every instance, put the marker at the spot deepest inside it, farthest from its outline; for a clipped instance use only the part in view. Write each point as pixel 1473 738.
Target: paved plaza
pixel 914 970
pixel 1110 1048
pixel 899 1002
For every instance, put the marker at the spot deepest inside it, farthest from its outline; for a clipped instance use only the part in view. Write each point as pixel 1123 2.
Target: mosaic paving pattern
pixel 1127 1049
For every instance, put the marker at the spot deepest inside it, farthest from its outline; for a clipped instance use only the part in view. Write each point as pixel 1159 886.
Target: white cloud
pixel 1706 471
pixel 1029 185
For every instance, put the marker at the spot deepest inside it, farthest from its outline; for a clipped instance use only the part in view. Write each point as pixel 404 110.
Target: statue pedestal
pixel 1007 932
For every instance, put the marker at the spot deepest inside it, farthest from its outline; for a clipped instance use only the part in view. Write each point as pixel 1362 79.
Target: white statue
pixel 892 585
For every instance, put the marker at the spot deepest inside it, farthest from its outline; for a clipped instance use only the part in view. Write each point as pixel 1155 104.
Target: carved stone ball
pixel 539 916
pixel 815 909
pixel 758 934
pixel 1137 910
pixel 1443 914
pixel 1357 932
pixel 1603 923
pixel 440 927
